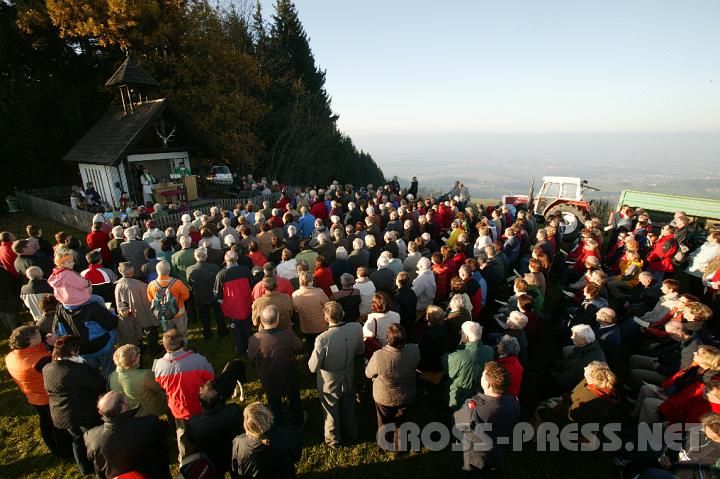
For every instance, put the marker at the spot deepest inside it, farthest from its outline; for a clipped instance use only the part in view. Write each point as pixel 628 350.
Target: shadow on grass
pixel 45 465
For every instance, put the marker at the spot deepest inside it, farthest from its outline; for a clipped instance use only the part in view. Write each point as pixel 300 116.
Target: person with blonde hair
pixel 138 385
pixel 264 450
pixel 677 391
pixel 591 401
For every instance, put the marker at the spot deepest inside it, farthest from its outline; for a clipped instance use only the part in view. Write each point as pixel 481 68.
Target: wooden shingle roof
pixel 115 133
pixel 130 73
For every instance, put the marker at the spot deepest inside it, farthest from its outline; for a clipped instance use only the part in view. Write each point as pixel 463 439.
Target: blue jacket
pixel 609 338
pixel 511 248
pixel 306 225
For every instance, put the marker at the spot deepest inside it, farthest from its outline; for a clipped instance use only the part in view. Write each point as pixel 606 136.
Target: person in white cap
pixel 424 285
pixel 184 228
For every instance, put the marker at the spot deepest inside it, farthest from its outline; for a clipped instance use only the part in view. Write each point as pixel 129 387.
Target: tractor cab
pixel 563 195
pixel 556 188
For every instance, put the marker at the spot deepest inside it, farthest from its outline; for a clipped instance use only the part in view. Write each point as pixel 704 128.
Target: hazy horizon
pixel 493 164
pixel 558 85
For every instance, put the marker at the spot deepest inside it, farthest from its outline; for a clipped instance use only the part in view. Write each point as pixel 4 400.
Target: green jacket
pixel 180 262
pixel 536 293
pixel 464 368
pixel 140 389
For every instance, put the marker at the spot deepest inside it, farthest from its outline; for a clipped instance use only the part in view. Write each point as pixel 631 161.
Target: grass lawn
pixel 23 454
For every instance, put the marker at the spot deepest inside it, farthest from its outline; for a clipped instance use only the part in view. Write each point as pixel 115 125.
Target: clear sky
pixel 516 66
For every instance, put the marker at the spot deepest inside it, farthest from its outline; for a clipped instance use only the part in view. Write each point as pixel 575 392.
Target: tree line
pixel 249 81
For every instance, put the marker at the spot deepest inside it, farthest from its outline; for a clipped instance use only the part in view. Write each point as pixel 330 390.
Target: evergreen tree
pixel 253 89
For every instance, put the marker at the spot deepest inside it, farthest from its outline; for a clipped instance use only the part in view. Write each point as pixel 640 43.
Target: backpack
pixel 164 305
pixel 63 326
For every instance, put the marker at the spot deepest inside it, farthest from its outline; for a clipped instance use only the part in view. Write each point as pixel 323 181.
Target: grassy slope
pixel 22 453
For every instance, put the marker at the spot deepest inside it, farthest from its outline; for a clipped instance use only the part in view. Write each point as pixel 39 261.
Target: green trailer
pixel 699 208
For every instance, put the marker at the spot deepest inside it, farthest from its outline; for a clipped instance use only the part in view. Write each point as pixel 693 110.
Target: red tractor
pixel 558 194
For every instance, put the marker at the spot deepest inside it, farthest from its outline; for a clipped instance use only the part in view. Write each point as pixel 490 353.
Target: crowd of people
pixel 484 312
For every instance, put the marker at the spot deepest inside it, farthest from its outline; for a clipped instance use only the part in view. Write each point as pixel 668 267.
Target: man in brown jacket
pixel 281 301
pixel 273 350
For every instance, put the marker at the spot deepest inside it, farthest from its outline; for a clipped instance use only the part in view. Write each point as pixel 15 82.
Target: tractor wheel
pixel 574 220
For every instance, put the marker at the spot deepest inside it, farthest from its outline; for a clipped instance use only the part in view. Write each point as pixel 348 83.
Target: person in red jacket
pixel 660 258
pixel 446 215
pixel 442 277
pixel 318 209
pixel 708 400
pixel 323 277
pixel 676 392
pixel 255 255
pixel 508 350
pixel 7 255
pixel 282 202
pixel 575 253
pixel 98 239
pixel 181 373
pixel 232 290
pixel 590 248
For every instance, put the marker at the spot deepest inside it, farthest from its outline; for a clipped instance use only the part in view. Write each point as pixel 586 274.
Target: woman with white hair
pixel 584 350
pixel 383 277
pixel 34 291
pixel 360 256
pixel 516 323
pixel 508 349
pixel 184 228
pixel 424 286
pixel 156 238
pixel 411 260
pixel 292 239
pixel 457 315
pixel 465 366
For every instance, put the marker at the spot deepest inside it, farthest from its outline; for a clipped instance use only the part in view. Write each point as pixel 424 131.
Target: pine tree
pixel 252 87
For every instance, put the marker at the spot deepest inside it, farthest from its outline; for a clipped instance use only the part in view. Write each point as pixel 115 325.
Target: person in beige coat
pixel 308 302
pixel 134 310
pixel 281 301
pixel 333 362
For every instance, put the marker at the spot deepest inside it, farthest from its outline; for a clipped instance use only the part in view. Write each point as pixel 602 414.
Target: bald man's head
pixel 112 404
pixel 270 316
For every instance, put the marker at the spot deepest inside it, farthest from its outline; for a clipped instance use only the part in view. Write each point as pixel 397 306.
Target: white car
pixel 220 174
